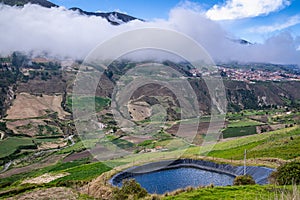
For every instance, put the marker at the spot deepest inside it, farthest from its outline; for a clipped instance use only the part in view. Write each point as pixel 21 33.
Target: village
pixel 247 75
pixel 235 74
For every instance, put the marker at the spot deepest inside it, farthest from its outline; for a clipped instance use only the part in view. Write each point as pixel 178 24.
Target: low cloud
pixel 239 9
pixel 64 33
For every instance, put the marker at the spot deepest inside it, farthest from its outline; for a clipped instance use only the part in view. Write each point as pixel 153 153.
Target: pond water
pixel 171 179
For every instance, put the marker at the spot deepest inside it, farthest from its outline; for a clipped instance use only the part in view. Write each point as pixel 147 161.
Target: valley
pixel 151 100
pixel 39 137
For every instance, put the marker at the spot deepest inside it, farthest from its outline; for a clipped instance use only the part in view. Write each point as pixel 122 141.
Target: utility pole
pixel 245 157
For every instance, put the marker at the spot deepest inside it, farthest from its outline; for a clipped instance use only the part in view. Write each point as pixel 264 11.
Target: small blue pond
pixel 166 176
pixel 168 180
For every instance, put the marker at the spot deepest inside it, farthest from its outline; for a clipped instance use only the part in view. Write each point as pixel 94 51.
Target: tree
pixel 129 190
pixel 244 180
pixel 18 59
pixel 286 174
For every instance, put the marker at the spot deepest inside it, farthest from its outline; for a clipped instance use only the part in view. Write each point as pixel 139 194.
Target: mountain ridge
pixel 43 3
pixel 115 18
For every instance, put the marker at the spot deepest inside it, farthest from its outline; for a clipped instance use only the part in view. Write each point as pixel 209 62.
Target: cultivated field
pixel 27 106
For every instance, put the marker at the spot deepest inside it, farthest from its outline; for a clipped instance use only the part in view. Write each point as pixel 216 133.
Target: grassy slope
pixel 78 171
pixel 236 192
pixel 242 123
pixel 259 145
pixel 84 172
pixel 10 145
pixel 87 103
pixel 239 131
pixel 276 144
pixel 273 144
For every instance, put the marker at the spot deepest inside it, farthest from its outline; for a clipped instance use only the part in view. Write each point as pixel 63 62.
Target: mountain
pixel 241 41
pixel 245 42
pixel 115 18
pixel 43 3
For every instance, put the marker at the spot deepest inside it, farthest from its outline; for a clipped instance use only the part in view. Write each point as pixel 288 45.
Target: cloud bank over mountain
pixel 65 33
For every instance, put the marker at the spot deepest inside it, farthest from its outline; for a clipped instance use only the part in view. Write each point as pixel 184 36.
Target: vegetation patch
pixel 244 180
pixel 236 192
pixel 129 190
pixel 84 172
pixel 287 174
pixel 243 123
pixel 239 131
pixel 13 144
pixel 87 103
pixel 282 144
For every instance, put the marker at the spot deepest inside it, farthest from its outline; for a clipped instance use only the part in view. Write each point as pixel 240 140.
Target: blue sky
pixel 142 9
pixel 254 20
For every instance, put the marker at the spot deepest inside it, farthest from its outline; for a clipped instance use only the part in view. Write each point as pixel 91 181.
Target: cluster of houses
pixel 246 75
pixel 257 75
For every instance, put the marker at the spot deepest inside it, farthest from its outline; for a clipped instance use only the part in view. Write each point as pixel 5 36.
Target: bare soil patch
pixel 139 110
pixel 27 106
pixel 98 150
pixel 53 145
pixel 260 118
pixel 137 140
pixel 49 193
pixel 194 132
pixel 27 126
pixel 77 156
pixel 45 178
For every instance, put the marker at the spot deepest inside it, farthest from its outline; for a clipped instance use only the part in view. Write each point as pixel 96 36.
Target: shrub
pixel 286 174
pixel 244 180
pixel 129 190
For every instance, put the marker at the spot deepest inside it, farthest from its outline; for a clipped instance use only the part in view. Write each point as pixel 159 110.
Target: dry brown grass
pixel 99 187
pixel 288 194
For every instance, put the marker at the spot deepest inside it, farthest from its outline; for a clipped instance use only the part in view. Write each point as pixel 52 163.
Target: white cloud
pixel 61 32
pixel 238 9
pixel 292 21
